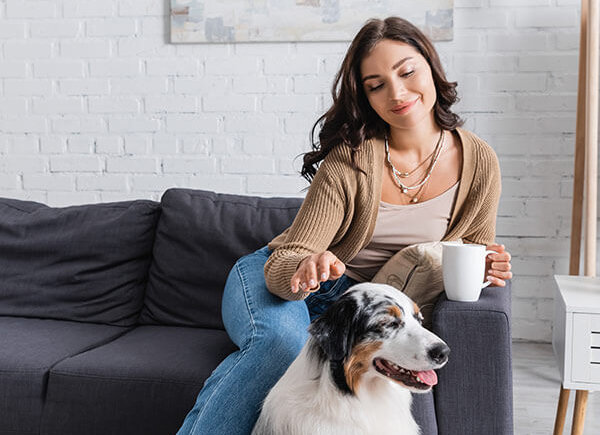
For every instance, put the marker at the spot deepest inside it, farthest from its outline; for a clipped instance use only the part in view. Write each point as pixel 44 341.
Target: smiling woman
pixel 373 48
pixel 391 167
pixel 402 94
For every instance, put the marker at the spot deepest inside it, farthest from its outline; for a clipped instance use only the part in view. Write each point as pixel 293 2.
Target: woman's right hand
pixel 314 269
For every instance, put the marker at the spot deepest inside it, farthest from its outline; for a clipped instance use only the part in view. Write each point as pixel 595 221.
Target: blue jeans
pixel 269 332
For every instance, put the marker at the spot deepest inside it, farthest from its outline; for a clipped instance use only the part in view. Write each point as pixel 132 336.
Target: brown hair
pixel 351 119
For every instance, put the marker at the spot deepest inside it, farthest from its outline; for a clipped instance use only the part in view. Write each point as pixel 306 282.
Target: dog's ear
pixel 337 328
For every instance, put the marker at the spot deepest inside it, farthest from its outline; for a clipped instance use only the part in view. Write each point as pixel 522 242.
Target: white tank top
pixel 399 226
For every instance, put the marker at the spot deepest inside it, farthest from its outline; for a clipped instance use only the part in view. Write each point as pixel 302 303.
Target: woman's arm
pixel 483 229
pixel 486 190
pixel 314 228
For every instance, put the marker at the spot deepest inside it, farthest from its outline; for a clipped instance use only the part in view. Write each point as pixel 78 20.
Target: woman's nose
pixel 397 90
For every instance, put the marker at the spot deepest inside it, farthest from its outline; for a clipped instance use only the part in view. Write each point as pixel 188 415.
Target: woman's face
pixel 398 83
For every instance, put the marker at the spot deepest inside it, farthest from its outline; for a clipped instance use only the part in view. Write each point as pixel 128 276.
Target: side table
pixel 576 343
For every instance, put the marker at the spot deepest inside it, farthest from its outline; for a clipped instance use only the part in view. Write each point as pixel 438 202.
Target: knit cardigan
pixel 340 208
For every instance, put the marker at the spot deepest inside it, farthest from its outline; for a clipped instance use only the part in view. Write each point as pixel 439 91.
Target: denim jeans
pixel 269 332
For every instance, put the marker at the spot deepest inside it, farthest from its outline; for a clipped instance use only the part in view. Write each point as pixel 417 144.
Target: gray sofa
pixel 110 317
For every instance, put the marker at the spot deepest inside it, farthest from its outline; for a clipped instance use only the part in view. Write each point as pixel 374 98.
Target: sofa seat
pixel 30 348
pixel 143 382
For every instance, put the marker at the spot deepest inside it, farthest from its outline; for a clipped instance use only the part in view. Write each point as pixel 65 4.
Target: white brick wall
pixel 95 105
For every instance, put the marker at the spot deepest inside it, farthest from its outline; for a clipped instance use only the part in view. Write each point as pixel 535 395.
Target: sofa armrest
pixel 474 393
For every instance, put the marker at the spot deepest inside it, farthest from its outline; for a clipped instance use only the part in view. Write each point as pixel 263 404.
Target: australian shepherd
pixel 355 374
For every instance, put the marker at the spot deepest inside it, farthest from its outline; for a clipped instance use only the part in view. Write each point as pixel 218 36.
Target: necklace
pixel 415 198
pixel 409 173
pixel 395 172
pixel 419 193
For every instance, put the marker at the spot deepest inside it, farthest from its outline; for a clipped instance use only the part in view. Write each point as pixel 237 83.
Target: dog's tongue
pixel 428 377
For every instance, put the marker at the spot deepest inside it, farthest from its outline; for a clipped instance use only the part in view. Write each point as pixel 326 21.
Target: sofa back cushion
pixel 83 263
pixel 199 238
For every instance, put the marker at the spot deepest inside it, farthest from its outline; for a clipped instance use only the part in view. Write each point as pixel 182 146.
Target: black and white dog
pixel 355 374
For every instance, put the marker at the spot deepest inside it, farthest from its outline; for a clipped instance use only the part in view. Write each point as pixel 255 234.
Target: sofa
pixel 110 317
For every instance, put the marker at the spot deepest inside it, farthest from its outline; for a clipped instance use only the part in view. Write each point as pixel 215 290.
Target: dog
pixel 365 355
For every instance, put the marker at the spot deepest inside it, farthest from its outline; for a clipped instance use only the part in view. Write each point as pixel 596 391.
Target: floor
pixel 536 385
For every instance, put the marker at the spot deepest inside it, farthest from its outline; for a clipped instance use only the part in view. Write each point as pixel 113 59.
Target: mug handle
pixel 488 252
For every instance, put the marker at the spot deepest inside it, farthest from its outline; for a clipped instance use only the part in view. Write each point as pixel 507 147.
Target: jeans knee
pixel 285 343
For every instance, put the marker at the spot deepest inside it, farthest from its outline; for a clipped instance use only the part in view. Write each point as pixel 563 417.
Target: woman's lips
pixel 403 108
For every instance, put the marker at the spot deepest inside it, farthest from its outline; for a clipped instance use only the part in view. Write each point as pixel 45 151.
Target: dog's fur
pixel 347 378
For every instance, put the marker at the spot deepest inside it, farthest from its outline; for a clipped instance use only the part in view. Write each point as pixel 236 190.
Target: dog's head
pixel 375 330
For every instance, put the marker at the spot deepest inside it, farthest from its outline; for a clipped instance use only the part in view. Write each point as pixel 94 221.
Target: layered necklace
pixel 398 175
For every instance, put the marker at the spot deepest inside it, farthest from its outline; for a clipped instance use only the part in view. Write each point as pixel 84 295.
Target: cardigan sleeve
pixel 483 227
pixel 315 226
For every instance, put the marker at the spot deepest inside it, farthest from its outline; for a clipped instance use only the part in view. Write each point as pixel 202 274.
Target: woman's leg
pixel 269 332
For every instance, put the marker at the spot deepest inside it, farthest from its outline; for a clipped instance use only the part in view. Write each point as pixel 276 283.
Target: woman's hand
pixel 314 269
pixel 497 266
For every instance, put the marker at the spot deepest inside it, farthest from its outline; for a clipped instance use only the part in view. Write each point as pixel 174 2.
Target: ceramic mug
pixel 463 269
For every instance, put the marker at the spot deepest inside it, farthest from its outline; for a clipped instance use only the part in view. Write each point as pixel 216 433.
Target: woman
pixel 395 169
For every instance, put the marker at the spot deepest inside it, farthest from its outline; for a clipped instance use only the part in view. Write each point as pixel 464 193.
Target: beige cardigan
pixel 340 208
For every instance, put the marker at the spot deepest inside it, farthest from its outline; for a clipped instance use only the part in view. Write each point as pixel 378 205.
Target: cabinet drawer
pixel 586 348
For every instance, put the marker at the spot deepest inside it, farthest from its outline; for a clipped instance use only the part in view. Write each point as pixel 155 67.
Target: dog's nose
pixel 439 353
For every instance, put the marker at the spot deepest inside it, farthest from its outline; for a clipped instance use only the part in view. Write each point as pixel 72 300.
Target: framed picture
pixel 215 21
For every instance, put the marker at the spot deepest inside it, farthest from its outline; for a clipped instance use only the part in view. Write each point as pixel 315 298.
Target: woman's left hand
pixel 497 265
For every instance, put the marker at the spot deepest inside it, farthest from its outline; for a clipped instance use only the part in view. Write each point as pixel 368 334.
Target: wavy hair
pixel 351 120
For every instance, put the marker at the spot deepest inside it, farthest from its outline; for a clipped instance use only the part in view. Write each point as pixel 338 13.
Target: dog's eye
pixel 378 327
pixel 388 324
pixel 378 330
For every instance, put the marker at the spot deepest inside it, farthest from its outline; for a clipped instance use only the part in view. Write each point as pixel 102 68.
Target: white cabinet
pixel 586 356
pixel 576 331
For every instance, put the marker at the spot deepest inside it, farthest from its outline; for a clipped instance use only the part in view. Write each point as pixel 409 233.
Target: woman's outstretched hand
pixel 315 269
pixel 498 266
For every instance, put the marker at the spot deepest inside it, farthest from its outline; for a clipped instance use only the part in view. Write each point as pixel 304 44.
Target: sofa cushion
pixel 83 263
pixel 200 236
pixel 145 382
pixel 423 410
pixel 29 348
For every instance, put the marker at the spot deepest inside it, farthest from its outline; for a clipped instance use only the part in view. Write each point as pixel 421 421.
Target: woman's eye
pixel 375 88
pixel 408 73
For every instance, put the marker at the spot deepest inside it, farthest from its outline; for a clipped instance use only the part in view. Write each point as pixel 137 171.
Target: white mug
pixel 463 269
